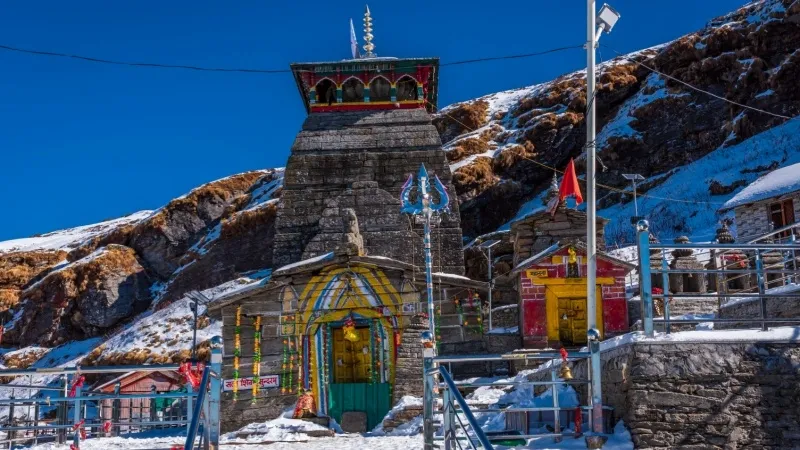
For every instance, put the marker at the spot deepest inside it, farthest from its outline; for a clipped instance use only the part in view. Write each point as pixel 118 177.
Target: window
pixel 781 214
pixel 406 89
pixel 353 91
pixel 380 90
pixel 326 92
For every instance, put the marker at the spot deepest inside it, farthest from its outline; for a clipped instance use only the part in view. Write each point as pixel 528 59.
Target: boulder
pixel 84 298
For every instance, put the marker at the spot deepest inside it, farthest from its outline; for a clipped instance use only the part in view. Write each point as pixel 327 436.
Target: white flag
pixel 353 41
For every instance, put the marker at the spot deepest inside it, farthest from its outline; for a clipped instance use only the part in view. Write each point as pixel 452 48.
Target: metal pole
pixel 591 213
pixel 645 288
pixel 665 282
pixel 448 413
pixel 194 331
pixel 490 288
pixel 635 206
pixel 427 409
pixel 216 392
pixel 556 409
pixel 429 268
pixel 761 289
pixel 76 414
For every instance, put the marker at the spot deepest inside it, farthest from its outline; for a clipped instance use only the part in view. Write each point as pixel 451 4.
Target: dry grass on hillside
pixel 226 190
pixel 463 118
pixel 243 221
pixel 475 177
pixel 24 358
pixel 65 285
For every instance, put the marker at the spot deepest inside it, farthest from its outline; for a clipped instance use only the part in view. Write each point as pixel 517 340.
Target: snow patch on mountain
pixel 70 238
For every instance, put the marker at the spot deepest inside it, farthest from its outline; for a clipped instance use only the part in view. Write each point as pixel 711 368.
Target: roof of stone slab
pixel 557 247
pixel 569 212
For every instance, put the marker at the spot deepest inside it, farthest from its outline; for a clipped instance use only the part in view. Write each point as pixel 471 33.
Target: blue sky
pixel 82 142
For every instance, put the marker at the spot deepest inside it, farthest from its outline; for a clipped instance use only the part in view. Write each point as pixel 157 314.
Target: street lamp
pixel 196 299
pixel 633 178
pixel 488 246
pixel 607 18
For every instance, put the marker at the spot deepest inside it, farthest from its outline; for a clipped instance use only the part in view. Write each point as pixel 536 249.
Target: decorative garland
pixel 284 364
pixel 460 311
pixel 300 346
pixel 256 357
pixel 291 364
pixel 237 351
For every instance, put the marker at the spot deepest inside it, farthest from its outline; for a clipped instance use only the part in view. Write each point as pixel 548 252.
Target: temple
pixel 337 327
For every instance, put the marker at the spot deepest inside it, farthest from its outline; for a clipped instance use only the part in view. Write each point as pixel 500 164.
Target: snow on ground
pixel 779 181
pixel 162 332
pixel 304 262
pixel 785 289
pixel 696 215
pixel 67 355
pixel 345 442
pixel 70 238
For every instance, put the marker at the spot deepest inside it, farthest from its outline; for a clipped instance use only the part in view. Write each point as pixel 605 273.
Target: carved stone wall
pixel 360 160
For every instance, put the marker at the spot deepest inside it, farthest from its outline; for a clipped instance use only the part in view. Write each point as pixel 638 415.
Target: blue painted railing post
pixel 428 398
pixel 665 282
pixel 76 414
pixel 645 289
pixel 216 391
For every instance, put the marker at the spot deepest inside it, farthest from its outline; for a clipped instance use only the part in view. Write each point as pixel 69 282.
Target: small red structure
pixel 552 286
pixel 138 410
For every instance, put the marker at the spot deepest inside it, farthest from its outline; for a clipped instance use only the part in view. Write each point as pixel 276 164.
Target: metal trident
pixel 425 206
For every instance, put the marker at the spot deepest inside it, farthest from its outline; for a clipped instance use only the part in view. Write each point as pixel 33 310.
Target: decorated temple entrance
pixel 354 367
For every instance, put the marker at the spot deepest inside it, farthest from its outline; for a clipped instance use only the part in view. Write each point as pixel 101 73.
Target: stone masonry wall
pixel 334 152
pixel 753 220
pixel 700 395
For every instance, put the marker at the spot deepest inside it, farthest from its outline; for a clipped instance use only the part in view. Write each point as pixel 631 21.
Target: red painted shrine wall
pixel 533 305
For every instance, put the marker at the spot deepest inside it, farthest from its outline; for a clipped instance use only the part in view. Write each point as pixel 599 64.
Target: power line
pixel 610 188
pixel 247 70
pixel 138 64
pixel 690 86
pixel 524 55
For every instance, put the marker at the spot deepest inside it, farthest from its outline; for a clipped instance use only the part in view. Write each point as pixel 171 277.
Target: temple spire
pixel 368 45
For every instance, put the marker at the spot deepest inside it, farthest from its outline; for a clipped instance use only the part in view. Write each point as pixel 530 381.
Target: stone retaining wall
pixel 699 395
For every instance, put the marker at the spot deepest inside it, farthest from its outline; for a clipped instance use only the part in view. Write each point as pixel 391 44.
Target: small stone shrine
pixel 550 267
pixel 684 259
pixel 336 330
pixel 733 259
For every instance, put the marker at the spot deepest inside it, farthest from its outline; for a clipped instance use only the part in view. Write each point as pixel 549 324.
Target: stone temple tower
pixel 368 128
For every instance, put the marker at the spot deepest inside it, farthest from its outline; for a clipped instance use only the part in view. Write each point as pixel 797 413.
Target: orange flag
pixel 569 184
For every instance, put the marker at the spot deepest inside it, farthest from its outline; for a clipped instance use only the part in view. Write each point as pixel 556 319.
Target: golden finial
pixel 368 45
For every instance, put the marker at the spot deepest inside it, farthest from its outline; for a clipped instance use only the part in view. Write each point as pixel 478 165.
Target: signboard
pixel 265 382
pixel 537 273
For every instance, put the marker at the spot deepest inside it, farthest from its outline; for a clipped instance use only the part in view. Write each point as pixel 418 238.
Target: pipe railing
pixel 453 429
pixel 753 266
pixel 88 411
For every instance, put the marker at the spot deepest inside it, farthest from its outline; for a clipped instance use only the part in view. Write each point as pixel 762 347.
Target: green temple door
pixel 372 399
pixel 351 389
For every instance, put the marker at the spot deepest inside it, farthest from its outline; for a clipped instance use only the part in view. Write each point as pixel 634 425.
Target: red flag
pixel 569 184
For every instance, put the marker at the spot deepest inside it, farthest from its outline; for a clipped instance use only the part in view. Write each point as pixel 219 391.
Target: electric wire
pixel 695 88
pixel 610 188
pixel 250 70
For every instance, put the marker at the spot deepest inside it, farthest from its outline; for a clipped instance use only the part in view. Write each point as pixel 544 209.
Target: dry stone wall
pixel 700 395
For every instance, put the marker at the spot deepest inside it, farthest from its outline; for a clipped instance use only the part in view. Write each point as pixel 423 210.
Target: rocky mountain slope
pixel 648 124
pixel 119 286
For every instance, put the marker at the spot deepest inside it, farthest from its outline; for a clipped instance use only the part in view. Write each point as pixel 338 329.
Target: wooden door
pixel 567 313
pixel 351 360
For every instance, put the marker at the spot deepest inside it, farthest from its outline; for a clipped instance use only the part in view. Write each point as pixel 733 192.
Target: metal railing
pixel 59 406
pixel 458 423
pixel 745 266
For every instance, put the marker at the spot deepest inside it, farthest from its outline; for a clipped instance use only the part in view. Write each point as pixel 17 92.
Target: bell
pixel 566 373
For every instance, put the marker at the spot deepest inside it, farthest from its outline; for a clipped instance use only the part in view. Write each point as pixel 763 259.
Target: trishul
pixel 425 206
